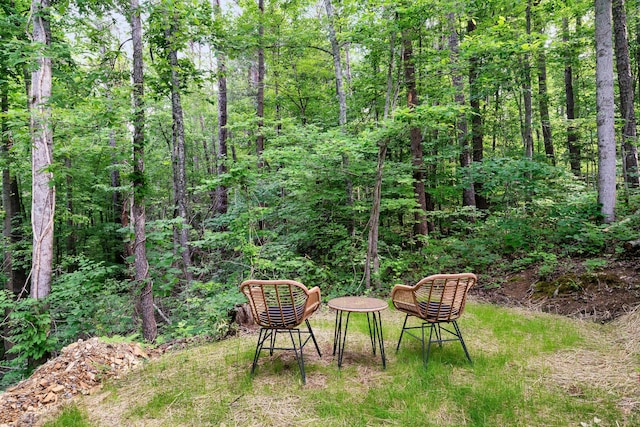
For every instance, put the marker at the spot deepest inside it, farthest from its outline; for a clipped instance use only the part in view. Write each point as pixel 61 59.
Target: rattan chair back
pixel 437 298
pixel 280 307
pixel 280 303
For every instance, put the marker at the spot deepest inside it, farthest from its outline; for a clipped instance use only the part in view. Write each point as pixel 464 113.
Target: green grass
pixel 529 369
pixel 70 416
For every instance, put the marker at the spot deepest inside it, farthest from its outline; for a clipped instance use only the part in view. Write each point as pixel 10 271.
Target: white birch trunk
pixel 605 110
pixel 43 193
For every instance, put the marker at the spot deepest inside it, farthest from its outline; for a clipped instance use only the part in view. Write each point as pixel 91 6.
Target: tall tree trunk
pixel 637 52
pixel 372 263
pixel 71 237
pixel 626 85
pixel 13 216
pixel 605 111
pixel 543 96
pixel 221 197
pixel 527 135
pixel 342 99
pixel 543 106
pixel 477 131
pixel 468 192
pixel 43 192
pixel 388 98
pixel 120 214
pixel 572 136
pixel 260 96
pixel 420 227
pixel 16 276
pixel 143 283
pixel 335 51
pixel 180 184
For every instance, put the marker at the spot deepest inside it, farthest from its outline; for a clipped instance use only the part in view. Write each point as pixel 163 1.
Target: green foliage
pixel 510 183
pixel 576 224
pixel 595 264
pixel 29 325
pixel 203 309
pixel 91 301
pixel 162 256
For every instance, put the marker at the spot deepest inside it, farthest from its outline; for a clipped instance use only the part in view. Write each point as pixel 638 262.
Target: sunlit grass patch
pixel 70 416
pixel 528 369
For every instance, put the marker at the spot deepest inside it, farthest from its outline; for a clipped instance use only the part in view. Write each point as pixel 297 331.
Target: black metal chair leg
pixel 299 357
pixel 274 335
pixel 313 337
pixel 426 359
pixel 464 347
pixel 261 340
pixel 402 332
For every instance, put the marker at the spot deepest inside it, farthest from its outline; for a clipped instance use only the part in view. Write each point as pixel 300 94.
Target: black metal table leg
pixel 337 331
pixel 377 330
pixel 358 305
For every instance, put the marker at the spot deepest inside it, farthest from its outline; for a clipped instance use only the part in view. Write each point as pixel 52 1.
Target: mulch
pixel 80 368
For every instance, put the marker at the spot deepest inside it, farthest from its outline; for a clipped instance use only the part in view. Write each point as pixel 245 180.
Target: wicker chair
pixel 436 300
pixel 281 306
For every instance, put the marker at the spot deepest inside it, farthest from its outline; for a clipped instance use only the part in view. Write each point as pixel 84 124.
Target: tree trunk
pixel 13 215
pixel 527 135
pixel 120 214
pixel 16 276
pixel 477 131
pixel 372 263
pixel 468 193
pixel 180 184
pixel 388 99
pixel 342 100
pixel 43 192
pixel 543 106
pixel 637 52
pixel 572 136
pixel 71 241
pixel 144 285
pixel 626 85
pixel 420 227
pixel 221 195
pixel 260 97
pixel 605 111
pixel 335 51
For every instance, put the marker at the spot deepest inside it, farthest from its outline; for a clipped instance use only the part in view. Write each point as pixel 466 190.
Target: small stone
pixel 50 398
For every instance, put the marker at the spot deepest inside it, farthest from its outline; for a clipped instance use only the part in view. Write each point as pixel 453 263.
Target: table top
pixel 358 304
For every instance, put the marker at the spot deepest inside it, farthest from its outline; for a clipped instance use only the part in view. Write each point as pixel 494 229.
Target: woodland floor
pixel 572 291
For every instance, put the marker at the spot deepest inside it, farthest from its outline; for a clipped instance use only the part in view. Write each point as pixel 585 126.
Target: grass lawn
pixel 529 369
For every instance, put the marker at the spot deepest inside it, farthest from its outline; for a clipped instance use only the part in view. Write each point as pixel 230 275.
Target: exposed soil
pixel 572 290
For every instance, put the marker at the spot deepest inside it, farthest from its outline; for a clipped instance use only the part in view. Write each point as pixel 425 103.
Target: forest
pixel 156 153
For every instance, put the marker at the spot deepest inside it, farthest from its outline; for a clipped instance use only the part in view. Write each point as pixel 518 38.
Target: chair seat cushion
pixel 282 316
pixel 436 310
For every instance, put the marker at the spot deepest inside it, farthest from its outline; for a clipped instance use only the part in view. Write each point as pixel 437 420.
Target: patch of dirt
pixel 572 290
